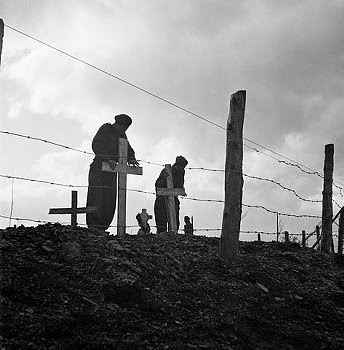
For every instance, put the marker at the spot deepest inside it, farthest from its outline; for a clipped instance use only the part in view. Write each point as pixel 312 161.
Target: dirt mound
pixel 64 288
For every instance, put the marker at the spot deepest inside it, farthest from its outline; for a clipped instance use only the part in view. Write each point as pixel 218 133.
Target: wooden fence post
pixel 229 240
pixel 286 237
pixel 303 238
pixel 317 228
pixel 2 27
pixel 277 228
pixel 327 207
pixel 341 232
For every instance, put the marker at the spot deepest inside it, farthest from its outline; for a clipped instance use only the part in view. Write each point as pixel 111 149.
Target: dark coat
pixel 105 144
pixel 178 173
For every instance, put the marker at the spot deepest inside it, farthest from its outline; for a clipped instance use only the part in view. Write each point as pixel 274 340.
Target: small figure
pixel 188 227
pixel 142 220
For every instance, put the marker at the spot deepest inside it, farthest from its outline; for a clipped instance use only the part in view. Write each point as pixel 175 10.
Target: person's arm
pixel 131 156
pixel 99 144
pixel 161 180
pixel 178 177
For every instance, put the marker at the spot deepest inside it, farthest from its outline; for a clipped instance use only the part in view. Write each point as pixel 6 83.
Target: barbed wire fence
pixel 261 207
pixel 272 154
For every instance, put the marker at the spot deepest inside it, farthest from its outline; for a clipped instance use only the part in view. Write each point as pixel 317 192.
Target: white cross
pixel 123 170
pixel 170 193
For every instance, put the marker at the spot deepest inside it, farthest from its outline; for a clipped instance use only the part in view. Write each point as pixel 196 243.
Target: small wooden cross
pixel 74 210
pixel 170 193
pixel 123 170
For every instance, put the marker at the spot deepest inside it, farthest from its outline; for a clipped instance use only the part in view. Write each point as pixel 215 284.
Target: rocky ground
pixel 64 288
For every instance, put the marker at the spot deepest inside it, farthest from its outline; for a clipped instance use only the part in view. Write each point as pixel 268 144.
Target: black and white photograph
pixel 172 174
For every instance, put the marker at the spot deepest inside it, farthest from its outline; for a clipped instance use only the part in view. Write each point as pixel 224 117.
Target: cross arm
pixel 69 210
pixel 122 168
pixel 170 192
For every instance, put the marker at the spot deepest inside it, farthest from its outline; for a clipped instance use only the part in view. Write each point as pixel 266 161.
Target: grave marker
pixel 74 210
pixel 123 170
pixel 170 192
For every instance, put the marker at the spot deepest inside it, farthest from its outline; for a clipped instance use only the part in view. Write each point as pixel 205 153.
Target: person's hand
pixel 112 164
pixel 133 162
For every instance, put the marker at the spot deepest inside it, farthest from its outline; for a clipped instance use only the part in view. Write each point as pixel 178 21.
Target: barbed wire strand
pixel 56 222
pixel 185 198
pixel 117 77
pixel 132 226
pixel 159 164
pixel 189 168
pixel 85 186
pixel 153 95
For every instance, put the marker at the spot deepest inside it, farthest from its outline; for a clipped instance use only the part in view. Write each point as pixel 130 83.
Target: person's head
pixel 186 219
pixel 122 122
pixel 180 160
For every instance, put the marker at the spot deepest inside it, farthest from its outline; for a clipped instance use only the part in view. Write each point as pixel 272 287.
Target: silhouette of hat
pixel 181 160
pixel 123 119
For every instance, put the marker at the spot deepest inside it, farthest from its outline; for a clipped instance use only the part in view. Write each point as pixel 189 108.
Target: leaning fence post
pixel 327 207
pixel 229 240
pixel 286 236
pixel 341 232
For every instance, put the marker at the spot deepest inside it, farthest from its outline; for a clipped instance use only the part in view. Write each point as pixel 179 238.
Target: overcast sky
pixel 287 55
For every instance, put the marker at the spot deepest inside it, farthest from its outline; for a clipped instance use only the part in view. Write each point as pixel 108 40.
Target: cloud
pixel 287 55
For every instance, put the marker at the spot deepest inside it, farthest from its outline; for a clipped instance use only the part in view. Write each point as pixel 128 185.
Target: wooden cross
pixel 170 193
pixel 123 170
pixel 74 210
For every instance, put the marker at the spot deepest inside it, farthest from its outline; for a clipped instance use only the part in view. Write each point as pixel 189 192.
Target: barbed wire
pixel 262 179
pixel 118 78
pixel 54 222
pixel 189 168
pixel 153 193
pixel 130 226
pixel 249 176
pixel 283 214
pixel 166 101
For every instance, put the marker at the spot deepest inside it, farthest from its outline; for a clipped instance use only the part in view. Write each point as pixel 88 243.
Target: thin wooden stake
pixel 74 208
pixel 286 237
pixel 303 238
pixel 327 207
pixel 277 228
pixel 229 241
pixel 317 228
pixel 341 232
pixel 2 30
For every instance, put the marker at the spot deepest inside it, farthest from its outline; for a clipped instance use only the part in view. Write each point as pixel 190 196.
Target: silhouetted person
pixel 188 227
pixel 160 211
pixel 102 190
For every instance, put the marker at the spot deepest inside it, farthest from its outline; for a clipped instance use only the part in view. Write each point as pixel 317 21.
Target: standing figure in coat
pixel 160 210
pixel 102 190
